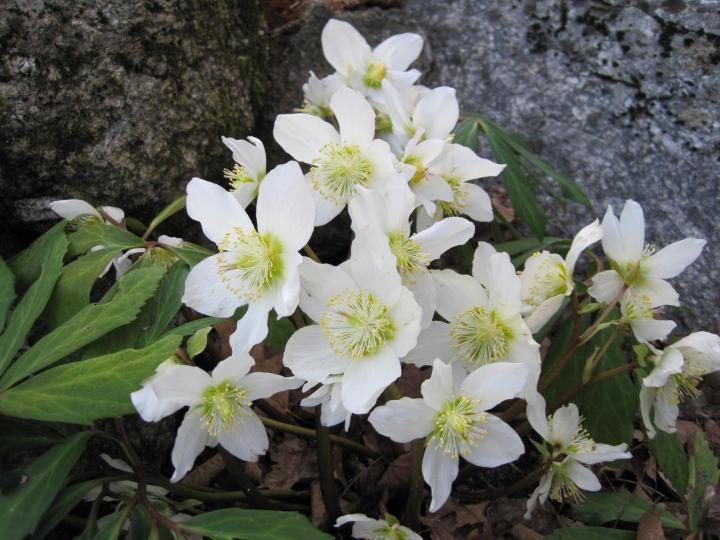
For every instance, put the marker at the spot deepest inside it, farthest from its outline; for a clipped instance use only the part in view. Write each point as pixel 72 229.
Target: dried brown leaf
pixel 411 379
pixel 397 474
pixel 203 474
pixel 650 526
pixel 318 512
pixel 293 461
pixel 522 532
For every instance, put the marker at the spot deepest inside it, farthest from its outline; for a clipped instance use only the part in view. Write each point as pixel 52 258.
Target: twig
pixel 325 469
pixel 417 485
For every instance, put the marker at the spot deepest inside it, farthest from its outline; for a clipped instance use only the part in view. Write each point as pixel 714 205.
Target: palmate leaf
pixel 87 390
pixel 27 264
pixel 599 508
pixel 35 298
pixel 93 232
pixel 466 133
pixel 21 511
pixel 90 323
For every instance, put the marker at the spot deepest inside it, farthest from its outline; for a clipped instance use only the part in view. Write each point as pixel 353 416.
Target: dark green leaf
pixel 21 511
pixel 140 526
pixel 599 508
pixel 671 459
pixel 7 291
pixel 87 390
pixel 28 264
pixel 93 232
pixel 705 481
pixel 466 133
pixel 64 503
pixel 111 530
pixel 193 326
pixel 521 245
pixel 34 300
pixel 254 525
pixel 279 331
pixel 189 253
pixel 571 374
pixel 591 533
pixel 171 209
pixel 16 435
pixel 90 323
pixel 72 290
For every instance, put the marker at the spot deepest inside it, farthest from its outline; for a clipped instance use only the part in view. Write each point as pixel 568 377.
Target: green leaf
pixel 33 301
pixel 524 200
pixel 599 508
pixel 72 290
pixel 591 533
pixel 193 326
pixel 279 331
pixel 466 133
pixel 521 245
pixel 21 511
pixel 171 209
pixel 93 232
pixel 704 481
pixel 7 291
pixel 253 525
pixel 16 434
pixel 190 253
pixel 87 390
pixel 197 342
pixel 64 503
pixel 571 374
pixel 671 459
pixel 28 264
pixel 112 529
pixel 90 323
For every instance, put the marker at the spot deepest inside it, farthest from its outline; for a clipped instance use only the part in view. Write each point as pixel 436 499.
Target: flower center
pixel 637 307
pixel 339 170
pixel 222 406
pixel 389 532
pixel 356 323
pixel 550 279
pixel 563 487
pixel 580 442
pixel 479 337
pixel 420 169
pixel 249 262
pixel 459 202
pixel 237 176
pixel 684 386
pixel 374 74
pixel 409 255
pixel 456 426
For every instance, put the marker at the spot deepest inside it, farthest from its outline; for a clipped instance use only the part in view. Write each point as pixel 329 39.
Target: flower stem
pixel 523 483
pixel 310 253
pixel 417 485
pixel 325 469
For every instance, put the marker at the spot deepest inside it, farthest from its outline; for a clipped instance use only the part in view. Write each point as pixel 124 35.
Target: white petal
pixel 285 206
pixel 72 208
pixel 368 208
pixel 252 328
pixel 261 385
pixel 457 293
pixel 583 477
pixel 541 493
pixel 402 79
pixel 325 209
pixel 433 342
pixel 659 291
pixel 406 316
pixel 373 265
pixel 319 283
pixel 216 209
pixel 544 312
pixel 303 135
pixel 365 377
pixel 605 286
pixel 493 383
pixel 248 438
pixel 603 452
pixel 423 289
pixel 432 188
pixel 504 286
pixel 467 165
pixel 190 441
pixel 673 259
pixel 287 295
pixel 381 159
pixel 399 203
pixel 665 415
pixel 443 235
pixel 651 329
pixel 355 116
pixel 205 291
pixel 351 518
pixel 437 112
pixel 397 109
pixel 612 240
pixel 403 420
pixel 478 205
pixel 647 400
pixel 250 154
pixel 671 362
pixel 310 357
pixel 501 445
pixel 537 416
pixel 182 384
pixel 439 387
pixel 233 369
pixel 343 46
pixel 587 236
pixel 150 407
pixel 399 51
pixel 564 424
pixel 481 263
pixel 439 470
pixel 632 228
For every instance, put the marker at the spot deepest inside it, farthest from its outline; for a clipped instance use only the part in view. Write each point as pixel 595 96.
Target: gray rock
pixel 621 96
pixel 121 102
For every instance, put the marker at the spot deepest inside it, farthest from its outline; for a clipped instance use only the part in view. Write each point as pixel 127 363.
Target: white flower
pixel 677 373
pixel 318 93
pixel 457 165
pixel 254 267
pixel 219 408
pixel 148 405
pixel 452 418
pixel 416 161
pixel 329 396
pixel 389 208
pixel 377 529
pixel 638 311
pixel 365 69
pixel 570 446
pixel 366 320
pixel 249 169
pixel 340 161
pixel 548 278
pixel 484 321
pixel 638 265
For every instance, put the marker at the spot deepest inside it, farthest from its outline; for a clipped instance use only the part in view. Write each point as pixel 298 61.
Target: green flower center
pixel 459 202
pixel 249 262
pixel 374 75
pixel 563 487
pixel 339 170
pixel 420 169
pixel 479 337
pixel 222 406
pixel 237 176
pixel 409 255
pixel 684 386
pixel 550 279
pixel 458 426
pixel 356 324
pixel 637 307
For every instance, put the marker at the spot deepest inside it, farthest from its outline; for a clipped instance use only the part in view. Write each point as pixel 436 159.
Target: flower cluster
pixel 369 140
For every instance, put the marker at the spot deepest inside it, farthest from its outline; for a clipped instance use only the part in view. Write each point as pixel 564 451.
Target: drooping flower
pixel 253 267
pixel 249 169
pixel 377 529
pixel 364 69
pixel 637 265
pixel 317 95
pixel 389 207
pixel 452 417
pixel 366 321
pixel 220 408
pixel 568 448
pixel 341 161
pixel 548 278
pixel 678 370
pixel 484 320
